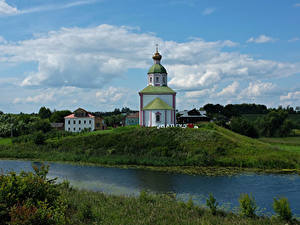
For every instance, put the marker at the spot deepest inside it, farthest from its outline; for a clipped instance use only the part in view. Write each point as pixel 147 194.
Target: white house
pixel 157 100
pixel 81 119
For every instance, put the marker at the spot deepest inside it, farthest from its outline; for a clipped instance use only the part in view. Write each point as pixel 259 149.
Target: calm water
pixel 226 189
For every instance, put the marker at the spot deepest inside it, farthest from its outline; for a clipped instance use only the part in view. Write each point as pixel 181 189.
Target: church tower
pixel 157 100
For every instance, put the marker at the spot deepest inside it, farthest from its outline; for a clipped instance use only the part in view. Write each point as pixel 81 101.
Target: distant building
pixel 132 119
pixel 82 119
pixel 57 126
pixel 297 109
pixel 191 116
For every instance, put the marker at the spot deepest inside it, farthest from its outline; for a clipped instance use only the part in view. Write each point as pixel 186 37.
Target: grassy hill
pixel 208 146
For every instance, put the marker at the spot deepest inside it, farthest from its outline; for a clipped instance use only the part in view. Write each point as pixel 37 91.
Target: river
pixel 226 189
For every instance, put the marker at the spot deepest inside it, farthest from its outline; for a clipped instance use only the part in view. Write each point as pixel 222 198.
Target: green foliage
pixel 244 127
pixel 274 124
pixel 39 138
pixel 247 205
pixel 281 206
pixel 114 120
pixel 30 198
pixel 212 204
pixel 58 116
pixel 44 113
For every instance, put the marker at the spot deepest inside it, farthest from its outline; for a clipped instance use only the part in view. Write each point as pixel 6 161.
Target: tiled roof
pixel 73 116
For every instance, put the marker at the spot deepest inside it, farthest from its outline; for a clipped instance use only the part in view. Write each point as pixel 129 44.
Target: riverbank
pixel 87 207
pixel 188 170
pixel 209 150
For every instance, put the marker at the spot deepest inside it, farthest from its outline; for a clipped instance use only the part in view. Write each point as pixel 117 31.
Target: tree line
pixel 272 122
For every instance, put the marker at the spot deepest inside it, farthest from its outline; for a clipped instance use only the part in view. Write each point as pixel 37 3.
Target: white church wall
pixel 165 115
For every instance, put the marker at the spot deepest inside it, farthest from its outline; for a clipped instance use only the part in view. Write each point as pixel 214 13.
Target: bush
pixel 281 206
pixel 39 138
pixel 247 205
pixel 30 198
pixel 212 204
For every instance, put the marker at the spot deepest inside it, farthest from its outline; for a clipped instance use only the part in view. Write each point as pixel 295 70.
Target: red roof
pixel 73 116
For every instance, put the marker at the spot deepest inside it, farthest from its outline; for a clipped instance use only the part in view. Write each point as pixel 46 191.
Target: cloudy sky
pixel 95 54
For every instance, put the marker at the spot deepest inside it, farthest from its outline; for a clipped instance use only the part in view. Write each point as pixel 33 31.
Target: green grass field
pixel 291 144
pixel 5 141
pixel 208 146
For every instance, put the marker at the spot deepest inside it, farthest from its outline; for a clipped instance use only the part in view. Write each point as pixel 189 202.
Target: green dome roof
pixel 157 68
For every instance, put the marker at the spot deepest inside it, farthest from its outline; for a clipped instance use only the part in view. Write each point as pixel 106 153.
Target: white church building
pixel 157 100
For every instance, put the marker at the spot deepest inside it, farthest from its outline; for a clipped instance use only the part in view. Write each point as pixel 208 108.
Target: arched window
pixel 150 79
pixel 157 117
pixel 157 79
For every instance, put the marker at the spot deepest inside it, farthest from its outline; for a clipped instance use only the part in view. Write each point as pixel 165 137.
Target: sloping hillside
pixel 209 145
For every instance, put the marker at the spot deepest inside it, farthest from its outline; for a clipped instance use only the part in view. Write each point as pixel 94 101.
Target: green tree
pixel 44 113
pixel 59 116
pixel 244 127
pixel 274 124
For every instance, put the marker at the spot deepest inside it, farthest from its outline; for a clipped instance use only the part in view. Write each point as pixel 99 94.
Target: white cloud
pixel 256 89
pixel 90 59
pixel 6 9
pixel 2 40
pixel 208 11
pixel 291 96
pixel 111 94
pixel 230 90
pixel 73 97
pixel 93 57
pixel 294 39
pixel 57 6
pixel 261 39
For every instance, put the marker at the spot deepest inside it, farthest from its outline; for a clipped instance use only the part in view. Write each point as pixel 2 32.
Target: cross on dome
pixel 156 57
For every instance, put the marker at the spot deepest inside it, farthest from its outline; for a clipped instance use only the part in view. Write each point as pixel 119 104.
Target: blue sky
pixel 95 53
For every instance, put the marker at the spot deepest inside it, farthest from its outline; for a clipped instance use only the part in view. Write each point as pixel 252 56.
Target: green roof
pixel 157 90
pixel 157 68
pixel 157 103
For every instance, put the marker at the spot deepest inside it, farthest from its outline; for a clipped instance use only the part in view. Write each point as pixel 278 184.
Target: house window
pixel 84 122
pixel 150 79
pixel 79 128
pixel 164 79
pixel 157 116
pixel 79 121
pixel 90 122
pixel 157 79
pixel 74 128
pixel 74 122
pixel 69 122
pixel 69 129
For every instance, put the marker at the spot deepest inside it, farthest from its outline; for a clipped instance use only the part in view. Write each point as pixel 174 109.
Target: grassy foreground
pixel 209 146
pixel 86 207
